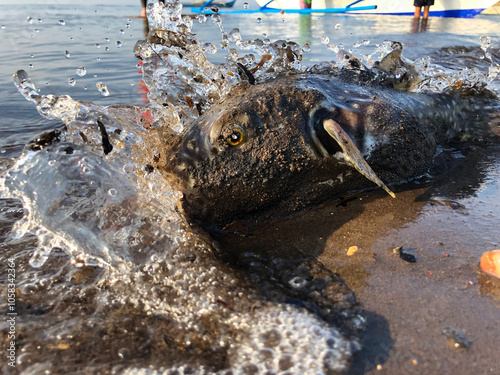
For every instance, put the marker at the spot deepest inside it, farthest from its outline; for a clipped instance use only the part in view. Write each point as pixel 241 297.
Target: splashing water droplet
pixel 67 54
pixel 29 19
pixel 118 44
pixel 71 82
pixel 97 45
pixel 3 27
pixel 245 6
pixel 106 40
pixel 106 49
pixel 214 8
pixel 122 31
pixel 259 20
pixel 337 26
pixel 30 66
pixel 102 88
pixel 201 18
pixel 306 48
pixel 112 192
pixel 62 22
pixel 485 41
pixel 81 71
pixel 485 44
pixel 40 20
pixel 32 56
pixel 209 48
pixel 325 40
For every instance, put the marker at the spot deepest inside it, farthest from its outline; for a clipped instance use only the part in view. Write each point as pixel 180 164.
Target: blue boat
pixel 441 8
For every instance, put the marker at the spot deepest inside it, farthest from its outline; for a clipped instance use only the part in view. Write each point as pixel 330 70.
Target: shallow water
pixel 112 304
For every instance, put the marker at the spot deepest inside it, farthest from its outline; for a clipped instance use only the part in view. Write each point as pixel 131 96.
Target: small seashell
pixel 490 263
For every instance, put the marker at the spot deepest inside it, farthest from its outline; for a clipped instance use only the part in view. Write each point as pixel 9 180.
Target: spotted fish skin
pixel 285 161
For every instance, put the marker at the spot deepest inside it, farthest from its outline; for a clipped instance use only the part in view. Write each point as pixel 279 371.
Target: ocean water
pixel 110 278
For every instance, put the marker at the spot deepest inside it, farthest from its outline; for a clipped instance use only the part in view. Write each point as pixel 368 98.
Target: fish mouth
pixel 325 144
pixel 330 138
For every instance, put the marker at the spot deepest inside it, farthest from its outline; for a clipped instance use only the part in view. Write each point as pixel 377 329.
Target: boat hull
pixel 441 8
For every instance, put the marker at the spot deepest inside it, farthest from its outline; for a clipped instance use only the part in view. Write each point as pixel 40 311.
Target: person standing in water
pixel 422 3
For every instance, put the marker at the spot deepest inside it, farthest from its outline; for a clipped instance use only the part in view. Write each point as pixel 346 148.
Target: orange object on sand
pixel 490 263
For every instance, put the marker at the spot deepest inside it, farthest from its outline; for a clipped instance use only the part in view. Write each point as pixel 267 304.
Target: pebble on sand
pixel 352 250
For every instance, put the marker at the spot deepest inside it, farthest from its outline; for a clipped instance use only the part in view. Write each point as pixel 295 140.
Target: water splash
pixel 114 210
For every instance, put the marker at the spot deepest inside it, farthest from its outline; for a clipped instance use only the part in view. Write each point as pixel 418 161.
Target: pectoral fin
pixel 353 154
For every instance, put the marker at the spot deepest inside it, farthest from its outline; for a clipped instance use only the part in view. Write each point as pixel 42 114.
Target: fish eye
pixel 235 135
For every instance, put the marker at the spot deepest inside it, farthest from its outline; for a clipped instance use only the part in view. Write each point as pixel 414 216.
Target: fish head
pixel 266 151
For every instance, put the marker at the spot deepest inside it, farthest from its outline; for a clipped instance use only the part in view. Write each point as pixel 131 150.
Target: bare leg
pixel 426 12
pixel 418 10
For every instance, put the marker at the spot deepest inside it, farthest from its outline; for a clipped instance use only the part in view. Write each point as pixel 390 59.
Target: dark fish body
pixel 277 147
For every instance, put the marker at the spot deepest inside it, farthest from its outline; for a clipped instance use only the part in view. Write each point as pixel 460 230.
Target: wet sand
pixel 438 315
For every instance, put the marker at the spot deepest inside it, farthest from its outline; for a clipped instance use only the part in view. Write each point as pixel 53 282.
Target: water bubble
pixel 201 18
pixel 102 88
pixel 122 31
pixel 67 54
pixel 298 282
pixel 97 45
pixel 306 48
pixel 209 48
pixel 62 22
pixel 29 19
pixel 259 20
pixel 118 44
pixel 81 71
pixel 71 81
pixel 112 192
pixel 325 40
pixel 337 26
pixel 245 6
